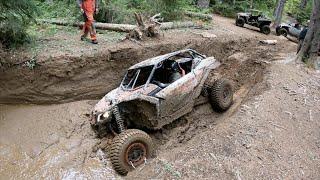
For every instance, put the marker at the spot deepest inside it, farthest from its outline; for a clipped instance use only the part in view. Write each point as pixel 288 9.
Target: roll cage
pixel 142 76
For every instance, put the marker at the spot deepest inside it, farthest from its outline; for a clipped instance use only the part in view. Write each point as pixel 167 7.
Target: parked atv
pixel 259 21
pixel 152 94
pixel 289 29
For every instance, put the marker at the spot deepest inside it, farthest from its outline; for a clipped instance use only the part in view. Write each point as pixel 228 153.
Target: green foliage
pixel 302 15
pixel 61 9
pixel 227 10
pixel 171 9
pixel 230 8
pixel 114 11
pixel 31 64
pixel 15 17
pixel 121 11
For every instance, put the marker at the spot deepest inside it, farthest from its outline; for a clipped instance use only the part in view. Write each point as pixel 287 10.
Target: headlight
pixel 106 115
pixel 99 118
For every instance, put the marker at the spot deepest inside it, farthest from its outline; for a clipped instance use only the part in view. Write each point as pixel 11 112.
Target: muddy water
pixel 49 142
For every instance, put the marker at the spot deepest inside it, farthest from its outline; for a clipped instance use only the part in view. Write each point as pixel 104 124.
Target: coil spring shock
pixel 205 90
pixel 119 119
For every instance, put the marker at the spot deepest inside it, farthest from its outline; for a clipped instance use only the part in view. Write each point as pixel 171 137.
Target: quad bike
pixel 152 94
pixel 259 21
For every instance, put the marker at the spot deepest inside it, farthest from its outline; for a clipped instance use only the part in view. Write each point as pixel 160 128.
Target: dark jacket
pixel 303 33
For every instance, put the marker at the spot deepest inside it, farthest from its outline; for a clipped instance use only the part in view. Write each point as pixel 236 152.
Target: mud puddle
pixel 55 141
pixel 48 142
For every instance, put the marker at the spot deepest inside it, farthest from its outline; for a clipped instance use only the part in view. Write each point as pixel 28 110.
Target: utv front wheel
pixel 221 96
pixel 265 29
pixel 129 150
pixel 240 22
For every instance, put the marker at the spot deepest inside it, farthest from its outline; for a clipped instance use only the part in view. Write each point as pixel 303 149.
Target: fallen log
pixel 102 26
pixel 199 15
pixel 269 42
pixel 122 27
pixel 177 25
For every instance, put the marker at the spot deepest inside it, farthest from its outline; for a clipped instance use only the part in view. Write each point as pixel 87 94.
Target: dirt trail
pixel 55 141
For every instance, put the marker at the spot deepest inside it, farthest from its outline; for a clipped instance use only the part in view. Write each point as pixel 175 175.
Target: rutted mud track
pixel 36 138
pixel 70 78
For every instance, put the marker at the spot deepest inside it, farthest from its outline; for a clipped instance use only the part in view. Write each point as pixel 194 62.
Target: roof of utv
pixel 158 59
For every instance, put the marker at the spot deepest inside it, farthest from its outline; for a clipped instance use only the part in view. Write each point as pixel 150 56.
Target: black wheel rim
pixel 136 154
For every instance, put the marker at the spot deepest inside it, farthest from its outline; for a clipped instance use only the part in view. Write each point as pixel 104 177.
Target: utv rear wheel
pixel 221 96
pixel 265 29
pixel 240 22
pixel 130 149
pixel 283 32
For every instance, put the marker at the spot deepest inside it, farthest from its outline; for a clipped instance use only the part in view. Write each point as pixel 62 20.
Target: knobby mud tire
pixel 265 29
pixel 122 144
pixel 283 32
pixel 240 22
pixel 221 96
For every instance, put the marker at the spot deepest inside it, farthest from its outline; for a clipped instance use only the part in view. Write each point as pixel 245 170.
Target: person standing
pixel 88 9
pixel 301 37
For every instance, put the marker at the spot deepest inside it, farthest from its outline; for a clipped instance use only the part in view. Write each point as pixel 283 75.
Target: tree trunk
pixel 203 3
pixel 309 51
pixel 278 12
pixel 275 9
pixel 303 4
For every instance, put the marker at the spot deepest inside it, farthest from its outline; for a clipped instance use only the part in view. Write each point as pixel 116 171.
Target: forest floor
pixel 270 132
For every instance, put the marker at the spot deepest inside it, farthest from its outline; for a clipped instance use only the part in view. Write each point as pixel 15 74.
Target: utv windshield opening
pixel 136 77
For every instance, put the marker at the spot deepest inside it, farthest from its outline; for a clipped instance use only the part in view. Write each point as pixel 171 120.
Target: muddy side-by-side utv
pixel 152 94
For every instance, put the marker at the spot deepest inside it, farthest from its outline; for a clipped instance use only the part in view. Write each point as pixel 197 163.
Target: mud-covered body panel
pixel 119 95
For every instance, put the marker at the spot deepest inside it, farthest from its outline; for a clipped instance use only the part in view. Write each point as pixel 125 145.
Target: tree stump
pixel 143 30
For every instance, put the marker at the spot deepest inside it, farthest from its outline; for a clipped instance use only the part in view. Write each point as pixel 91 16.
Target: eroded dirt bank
pixel 66 78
